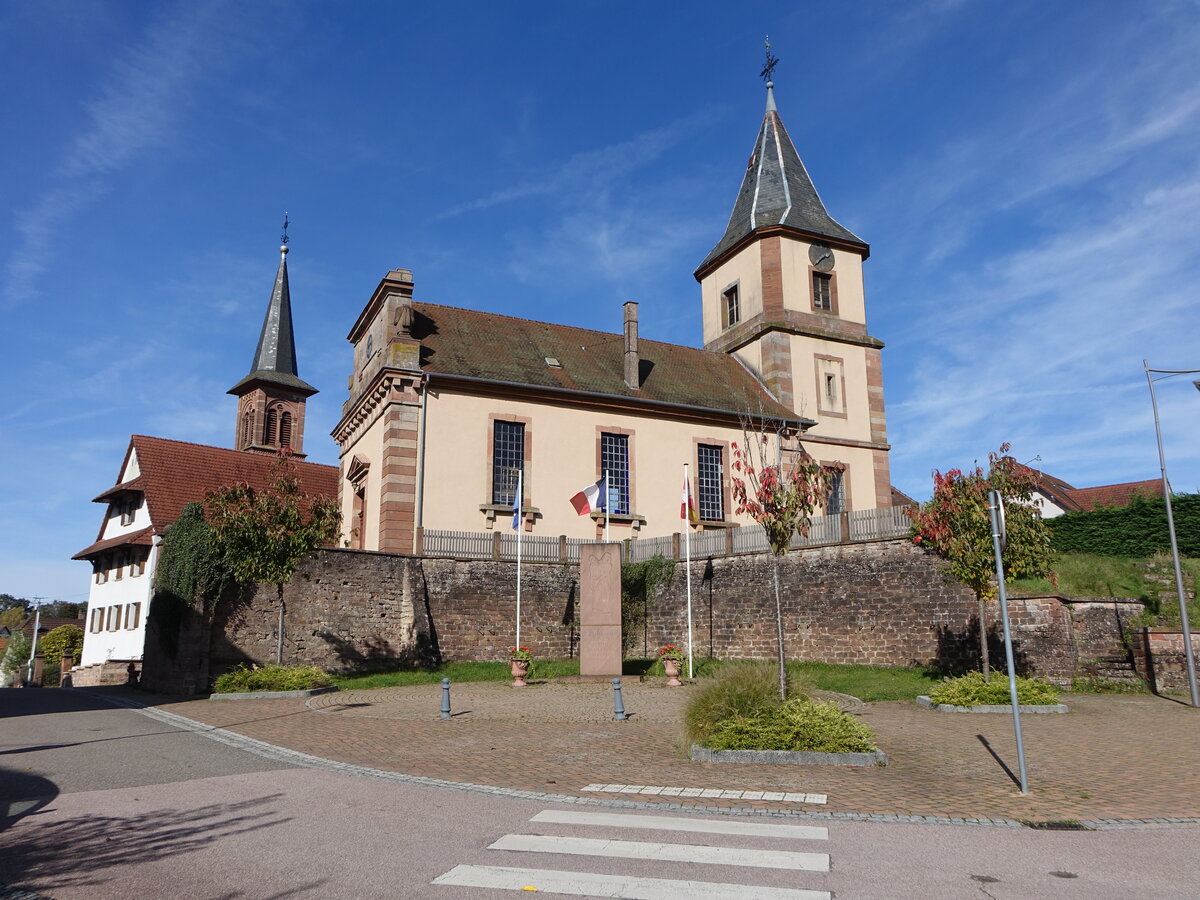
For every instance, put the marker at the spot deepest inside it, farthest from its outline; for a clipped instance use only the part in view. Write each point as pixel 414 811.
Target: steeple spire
pixel 271 397
pixel 776 189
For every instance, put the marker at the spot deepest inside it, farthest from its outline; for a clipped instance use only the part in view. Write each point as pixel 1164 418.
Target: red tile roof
pixel 1116 495
pixel 1073 499
pixel 473 344
pixel 175 473
pixel 134 538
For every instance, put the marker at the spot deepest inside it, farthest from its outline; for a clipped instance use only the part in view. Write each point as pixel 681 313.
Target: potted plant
pixel 520 659
pixel 672 660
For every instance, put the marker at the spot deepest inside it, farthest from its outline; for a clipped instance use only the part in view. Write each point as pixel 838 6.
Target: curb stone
pixel 1049 708
pixel 273 695
pixel 788 757
pixel 304 760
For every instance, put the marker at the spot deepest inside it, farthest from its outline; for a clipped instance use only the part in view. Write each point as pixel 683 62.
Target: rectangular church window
pixel 709 472
pixel 614 463
pixel 508 460
pixel 731 307
pixel 822 291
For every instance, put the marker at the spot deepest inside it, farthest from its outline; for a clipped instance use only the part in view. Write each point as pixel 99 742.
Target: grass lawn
pixel 868 683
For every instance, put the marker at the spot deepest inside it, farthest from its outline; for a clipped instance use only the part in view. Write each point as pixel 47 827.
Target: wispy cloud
pixel 136 109
pixel 592 173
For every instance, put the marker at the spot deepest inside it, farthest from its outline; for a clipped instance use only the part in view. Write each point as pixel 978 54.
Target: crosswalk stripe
pixel 688 853
pixel 627 887
pixel 672 823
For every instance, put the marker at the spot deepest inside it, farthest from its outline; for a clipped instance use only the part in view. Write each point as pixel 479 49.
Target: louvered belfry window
pixel 272 427
pixel 285 429
pixel 822 291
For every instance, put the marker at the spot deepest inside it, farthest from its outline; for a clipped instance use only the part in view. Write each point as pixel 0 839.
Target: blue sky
pixel 1025 172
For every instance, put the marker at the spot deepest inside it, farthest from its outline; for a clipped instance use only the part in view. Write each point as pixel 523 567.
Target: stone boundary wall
pixel 1160 656
pixel 114 671
pixel 882 603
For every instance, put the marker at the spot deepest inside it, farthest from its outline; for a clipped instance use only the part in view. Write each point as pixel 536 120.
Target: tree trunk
pixel 279 630
pixel 983 640
pixel 779 631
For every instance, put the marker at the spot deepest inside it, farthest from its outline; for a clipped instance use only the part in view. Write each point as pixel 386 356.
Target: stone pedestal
pixel 600 610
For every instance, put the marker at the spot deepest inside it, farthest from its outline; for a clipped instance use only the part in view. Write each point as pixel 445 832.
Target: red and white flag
pixel 591 498
pixel 687 509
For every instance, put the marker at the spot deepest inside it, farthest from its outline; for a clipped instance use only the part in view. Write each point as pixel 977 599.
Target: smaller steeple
pixel 272 395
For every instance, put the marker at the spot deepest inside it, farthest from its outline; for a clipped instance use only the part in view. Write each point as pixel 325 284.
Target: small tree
pixel 780 496
pixel 955 525
pixel 65 640
pixel 16 655
pixel 264 534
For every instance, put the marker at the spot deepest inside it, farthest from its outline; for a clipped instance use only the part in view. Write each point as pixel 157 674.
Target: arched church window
pixel 247 435
pixel 272 428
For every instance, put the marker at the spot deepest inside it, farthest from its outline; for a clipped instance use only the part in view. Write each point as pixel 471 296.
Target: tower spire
pixel 272 395
pixel 776 189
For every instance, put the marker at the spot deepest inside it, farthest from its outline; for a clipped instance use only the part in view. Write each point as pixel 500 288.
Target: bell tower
pixel 783 292
pixel 271 399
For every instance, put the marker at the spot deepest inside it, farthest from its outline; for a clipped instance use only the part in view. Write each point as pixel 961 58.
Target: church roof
pixel 505 349
pixel 275 357
pixel 777 190
pixel 175 473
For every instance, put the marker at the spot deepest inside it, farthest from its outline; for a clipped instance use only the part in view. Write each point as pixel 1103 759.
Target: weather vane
pixel 285 226
pixel 772 62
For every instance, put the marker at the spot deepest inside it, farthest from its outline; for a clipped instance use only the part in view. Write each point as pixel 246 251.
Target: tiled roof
pixel 473 344
pixel 1056 489
pixel 134 538
pixel 777 190
pixel 174 473
pixel 134 484
pixel 1116 495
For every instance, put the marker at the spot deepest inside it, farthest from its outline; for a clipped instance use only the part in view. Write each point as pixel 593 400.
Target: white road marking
pixel 673 823
pixel 688 853
pixel 549 881
pixel 659 790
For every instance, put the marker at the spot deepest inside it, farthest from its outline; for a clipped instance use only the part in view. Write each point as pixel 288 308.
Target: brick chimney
pixel 632 379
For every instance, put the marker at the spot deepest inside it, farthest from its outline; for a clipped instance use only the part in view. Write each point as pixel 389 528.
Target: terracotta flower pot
pixel 671 667
pixel 520 668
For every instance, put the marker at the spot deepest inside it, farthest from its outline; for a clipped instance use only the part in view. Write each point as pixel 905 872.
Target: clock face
pixel 821 256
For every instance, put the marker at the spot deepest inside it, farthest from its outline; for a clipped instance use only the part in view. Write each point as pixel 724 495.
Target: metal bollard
pixel 445 698
pixel 618 705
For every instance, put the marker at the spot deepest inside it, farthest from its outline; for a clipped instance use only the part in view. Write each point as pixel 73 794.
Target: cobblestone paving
pixel 1111 757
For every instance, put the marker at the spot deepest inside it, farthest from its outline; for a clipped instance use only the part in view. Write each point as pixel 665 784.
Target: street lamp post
pixel 1162 464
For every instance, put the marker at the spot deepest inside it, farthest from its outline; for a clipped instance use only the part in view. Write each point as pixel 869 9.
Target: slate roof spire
pixel 275 357
pixel 776 189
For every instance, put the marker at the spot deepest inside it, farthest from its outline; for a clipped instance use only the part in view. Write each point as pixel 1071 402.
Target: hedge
pixel 1136 530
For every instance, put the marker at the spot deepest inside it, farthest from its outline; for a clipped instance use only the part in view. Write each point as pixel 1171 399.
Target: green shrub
pixel 972 690
pixel 1099 684
pixel 812 725
pixel 245 679
pixel 65 640
pixel 740 689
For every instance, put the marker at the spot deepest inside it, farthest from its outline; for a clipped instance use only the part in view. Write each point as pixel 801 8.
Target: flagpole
pixel 607 504
pixel 687 545
pixel 517 524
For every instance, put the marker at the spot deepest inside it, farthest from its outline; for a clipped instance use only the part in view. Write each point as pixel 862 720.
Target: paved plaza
pixel 1111 758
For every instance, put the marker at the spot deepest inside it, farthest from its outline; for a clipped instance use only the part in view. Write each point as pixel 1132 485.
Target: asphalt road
pixel 103 802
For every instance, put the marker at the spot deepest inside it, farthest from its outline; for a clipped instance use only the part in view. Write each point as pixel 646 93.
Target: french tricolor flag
pixel 591 498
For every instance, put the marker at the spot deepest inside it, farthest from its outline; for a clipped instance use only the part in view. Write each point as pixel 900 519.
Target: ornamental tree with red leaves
pixel 780 496
pixel 954 524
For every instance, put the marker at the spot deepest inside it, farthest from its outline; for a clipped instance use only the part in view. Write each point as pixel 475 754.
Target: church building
pixel 450 409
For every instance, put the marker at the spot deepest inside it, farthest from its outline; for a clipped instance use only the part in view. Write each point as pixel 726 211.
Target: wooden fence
pixel 849 527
